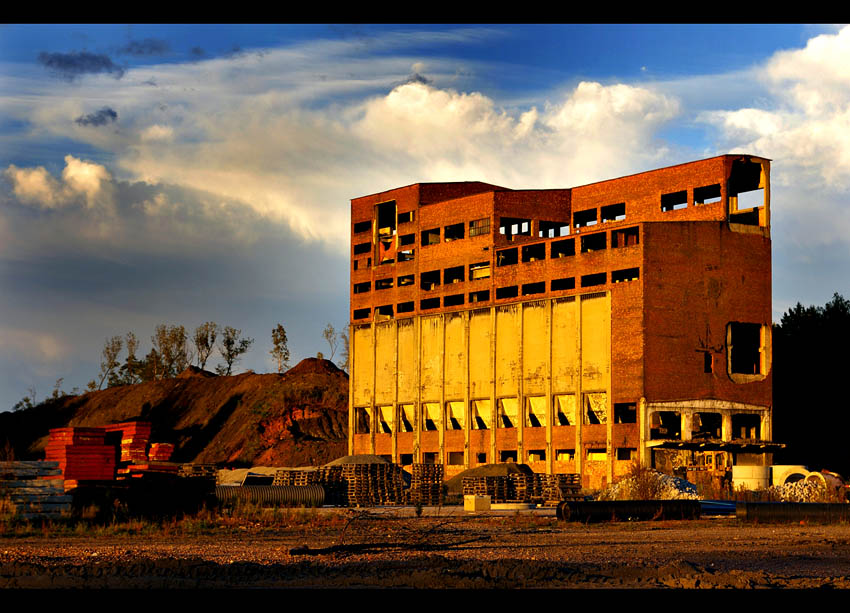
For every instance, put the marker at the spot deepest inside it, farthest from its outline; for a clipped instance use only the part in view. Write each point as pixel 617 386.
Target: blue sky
pixel 178 174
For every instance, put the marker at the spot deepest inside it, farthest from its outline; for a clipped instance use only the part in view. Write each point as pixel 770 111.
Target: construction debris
pixel 33 490
pixel 650 485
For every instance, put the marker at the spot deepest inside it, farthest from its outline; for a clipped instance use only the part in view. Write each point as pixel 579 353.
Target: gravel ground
pixel 442 551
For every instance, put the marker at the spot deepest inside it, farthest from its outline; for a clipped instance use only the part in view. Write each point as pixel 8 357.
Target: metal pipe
pixel 793 511
pixel 286 495
pixel 627 510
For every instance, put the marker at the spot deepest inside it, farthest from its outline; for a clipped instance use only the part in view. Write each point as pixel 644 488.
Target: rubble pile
pixel 650 485
pixel 799 491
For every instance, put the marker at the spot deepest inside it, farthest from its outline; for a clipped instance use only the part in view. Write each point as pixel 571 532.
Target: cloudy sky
pixel 180 174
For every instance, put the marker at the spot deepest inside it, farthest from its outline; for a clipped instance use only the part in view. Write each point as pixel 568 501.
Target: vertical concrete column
pixel 493 408
pixel 687 424
pixel 417 408
pixel 643 432
pixel 726 426
pixel 579 397
pixel 521 410
pixel 609 398
pixel 467 460
pixel 442 459
pixel 372 421
pixel 396 420
pixel 550 413
pixel 351 354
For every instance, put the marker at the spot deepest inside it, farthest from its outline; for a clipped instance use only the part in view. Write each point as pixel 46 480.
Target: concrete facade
pixel 576 330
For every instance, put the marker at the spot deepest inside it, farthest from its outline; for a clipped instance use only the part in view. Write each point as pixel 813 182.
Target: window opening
pixel 430 237
pixel 506 257
pixel 479 270
pixel 405 217
pixel 707 362
pixel 535 412
pixel 429 457
pixel 362 288
pixel 597 454
pixel 562 249
pixel 596 408
pixel 592 280
pixel 563 284
pixel 361 313
pixel 745 348
pixel 625 413
pixel 707 195
pixel 507 455
pixel 553 229
pixel 482 296
pixel 594 242
pixel 385 419
pixel 386 218
pixel 384 312
pixel 674 201
pixel 582 219
pixel 405 280
pixel 532 253
pixel 478 227
pixel 355 264
pixel 405 307
pixel 665 425
pixel 746 192
pixel 407 239
pixel 536 455
pixel 565 455
pixel 453 300
pixel 613 212
pixel 431 419
pixel 481 458
pixel 405 459
pixel 626 454
pixel 454 458
pixel 746 426
pixel 361 420
pixel 362 248
pixel 453 232
pixel 507 292
pixel 429 303
pixel 534 288
pixel 627 274
pixel 383 284
pixel 453 275
pixel 455 415
pixel 507 413
pixel 362 226
pixel 627 237
pixel 406 255
pixel 565 409
pixel 514 226
pixel 706 425
pixel 481 414
pixel 429 280
pixel 368 261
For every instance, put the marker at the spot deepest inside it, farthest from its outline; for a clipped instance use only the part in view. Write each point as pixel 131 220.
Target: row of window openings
pixel 502 293
pixel 366 226
pixel 595 412
pixel 668 425
pixel 626 237
pixel 455 458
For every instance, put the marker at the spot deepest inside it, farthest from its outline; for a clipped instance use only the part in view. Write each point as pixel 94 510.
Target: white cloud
pixel 157 132
pixel 81 180
pixel 34 185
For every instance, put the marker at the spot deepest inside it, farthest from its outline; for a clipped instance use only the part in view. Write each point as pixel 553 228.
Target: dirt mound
pixel 299 419
pixel 358 459
pixel 194 371
pixel 455 484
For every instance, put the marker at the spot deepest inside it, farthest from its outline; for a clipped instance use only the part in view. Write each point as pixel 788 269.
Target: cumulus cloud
pixel 147 46
pixel 157 132
pixel 34 185
pixel 98 118
pixel 82 181
pixel 69 66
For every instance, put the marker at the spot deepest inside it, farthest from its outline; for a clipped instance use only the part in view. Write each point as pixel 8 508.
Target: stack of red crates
pixel 160 452
pixel 135 436
pixel 82 454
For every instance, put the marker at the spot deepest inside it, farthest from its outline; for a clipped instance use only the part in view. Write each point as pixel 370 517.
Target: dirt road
pixel 517 551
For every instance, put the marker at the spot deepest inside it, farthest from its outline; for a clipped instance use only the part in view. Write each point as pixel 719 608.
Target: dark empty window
pixel 431 237
pixel 407 239
pixel 453 300
pixel 405 217
pixel 361 313
pixel 405 280
pixel 533 288
pixel 563 284
pixel 533 253
pixel 582 219
pixel 595 279
pixel 429 303
pixel 362 288
pixel 429 280
pixel 507 292
pixel 406 255
pixel 626 453
pixel 707 195
pixel 482 296
pixel 613 212
pixel 594 242
pixel 674 201
pixel 625 413
pixel 562 249
pixel 385 310
pixel 626 237
pixel 478 227
pixel 405 307
pixel 386 218
pixel 362 226
pixel 628 274
pixel 362 248
pixel 383 283
pixel 453 232
pixel 506 257
pixel 745 348
pixel 453 275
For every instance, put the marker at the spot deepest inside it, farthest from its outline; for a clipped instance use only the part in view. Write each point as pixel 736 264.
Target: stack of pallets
pixel 499 488
pixel 537 488
pixel 336 489
pixel 426 484
pixel 81 454
pixel 199 471
pixel 557 488
pixel 135 436
pixel 32 490
pixel 160 452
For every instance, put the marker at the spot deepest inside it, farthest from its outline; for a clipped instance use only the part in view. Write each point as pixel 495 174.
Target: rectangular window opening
pixel 746 192
pixel 453 232
pixel 506 257
pixel 627 274
pixel 453 275
pixel 384 312
pixel 362 423
pixel 513 226
pixel 407 239
pixel 431 416
pixel 594 279
pixel 453 300
pixel 385 419
pixel 356 262
pixel 454 458
pixel 706 425
pixel 507 292
pixel 429 457
pixel 665 425
pixel 362 288
pixel 533 253
pixel 405 418
pixel 597 454
pixel 455 415
pixel 565 410
pixel 746 426
pixel 594 242
pixel 674 201
pixel 479 270
pixel 745 348
pixel 405 217
pixel 707 362
pixel 506 416
pixel 482 296
pixel 429 303
pixel 566 283
pixel 533 288
pixel 535 412
pixel 708 194
pixel 536 455
pixel 386 217
pixel 565 248
pixel 361 313
pixel 481 458
pixel 625 413
pixel 626 454
pixel 553 229
pixel 582 219
pixel 477 227
pixel 383 284
pixel 627 237
pixel 613 212
pixel 406 255
pixel 481 414
pixel 405 307
pixel 362 248
pixel 565 455
pixel 362 226
pixel 405 459
pixel 429 280
pixel 405 280
pixel 596 408
pixel 430 237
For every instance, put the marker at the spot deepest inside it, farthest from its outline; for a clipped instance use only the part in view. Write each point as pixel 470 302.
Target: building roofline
pixel 497 188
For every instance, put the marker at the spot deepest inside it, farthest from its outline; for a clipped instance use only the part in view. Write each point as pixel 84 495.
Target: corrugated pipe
pixel 627 510
pixel 821 512
pixel 284 495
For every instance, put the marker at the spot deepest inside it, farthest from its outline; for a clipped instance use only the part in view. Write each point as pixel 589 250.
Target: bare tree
pixel 231 348
pixel 171 345
pixel 330 335
pixel 344 358
pixel 204 341
pixel 280 348
pixel 111 349
pixel 130 370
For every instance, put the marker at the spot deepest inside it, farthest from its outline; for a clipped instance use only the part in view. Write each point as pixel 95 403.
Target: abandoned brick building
pixel 575 330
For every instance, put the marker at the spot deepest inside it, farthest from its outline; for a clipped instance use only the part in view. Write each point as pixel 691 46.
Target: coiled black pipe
pixel 284 495
pixel 627 510
pixel 821 512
